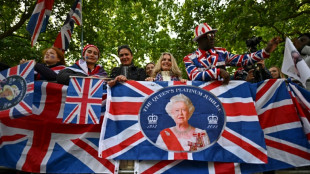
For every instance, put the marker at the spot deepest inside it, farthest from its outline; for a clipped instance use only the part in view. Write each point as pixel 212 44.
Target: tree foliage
pixel 150 27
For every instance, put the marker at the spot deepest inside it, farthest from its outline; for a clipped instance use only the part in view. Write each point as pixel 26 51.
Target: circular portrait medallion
pixel 12 91
pixel 182 119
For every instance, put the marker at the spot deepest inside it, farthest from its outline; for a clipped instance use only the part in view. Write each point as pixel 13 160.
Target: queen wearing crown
pixel 183 136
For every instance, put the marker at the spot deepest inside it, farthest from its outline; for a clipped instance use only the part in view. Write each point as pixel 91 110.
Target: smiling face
pixel 180 112
pixel 149 68
pixel 91 55
pixel 50 57
pixel 274 73
pixel 125 56
pixel 166 63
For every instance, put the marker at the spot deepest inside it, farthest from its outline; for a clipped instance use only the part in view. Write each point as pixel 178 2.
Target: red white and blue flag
pixel 84 100
pixel 301 99
pixel 43 144
pixel 286 142
pixel 39 19
pixel 242 139
pixel 74 16
pixel 16 90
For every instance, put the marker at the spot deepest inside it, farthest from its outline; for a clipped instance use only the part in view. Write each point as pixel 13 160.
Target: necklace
pixel 184 132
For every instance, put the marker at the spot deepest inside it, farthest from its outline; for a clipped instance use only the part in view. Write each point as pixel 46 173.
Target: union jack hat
pixel 202 29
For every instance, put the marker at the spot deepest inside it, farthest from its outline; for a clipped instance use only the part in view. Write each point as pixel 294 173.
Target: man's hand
pixel 250 76
pixel 272 44
pixel 119 78
pixel 225 75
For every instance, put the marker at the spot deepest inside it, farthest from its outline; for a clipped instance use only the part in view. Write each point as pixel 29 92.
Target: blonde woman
pixel 166 69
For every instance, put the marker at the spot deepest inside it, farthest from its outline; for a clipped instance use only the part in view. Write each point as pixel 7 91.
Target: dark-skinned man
pixel 208 62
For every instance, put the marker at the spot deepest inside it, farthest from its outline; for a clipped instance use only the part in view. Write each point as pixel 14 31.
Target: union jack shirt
pixel 203 65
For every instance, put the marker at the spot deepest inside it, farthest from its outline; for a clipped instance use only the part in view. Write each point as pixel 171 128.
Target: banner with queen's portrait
pixel 174 121
pixel 182 118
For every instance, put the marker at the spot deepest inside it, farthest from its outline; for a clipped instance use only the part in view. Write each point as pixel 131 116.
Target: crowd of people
pixel 205 64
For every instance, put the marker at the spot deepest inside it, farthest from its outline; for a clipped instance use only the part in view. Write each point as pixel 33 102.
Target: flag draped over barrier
pixel 287 145
pixel 39 19
pixel 42 143
pixel 16 90
pixel 123 134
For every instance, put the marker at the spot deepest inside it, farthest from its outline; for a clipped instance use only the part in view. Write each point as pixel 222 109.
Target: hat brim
pixel 196 38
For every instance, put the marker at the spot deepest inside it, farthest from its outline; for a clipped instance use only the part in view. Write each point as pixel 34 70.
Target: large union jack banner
pixel 286 142
pixel 84 100
pixel 16 90
pixel 43 144
pixel 241 141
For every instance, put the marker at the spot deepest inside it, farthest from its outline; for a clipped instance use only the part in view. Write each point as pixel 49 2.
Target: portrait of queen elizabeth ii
pixel 182 136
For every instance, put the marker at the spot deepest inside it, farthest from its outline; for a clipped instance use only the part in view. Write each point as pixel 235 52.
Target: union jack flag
pixel 301 99
pixel 43 144
pixel 84 100
pixel 18 81
pixel 287 145
pixel 122 138
pixel 39 19
pixel 74 16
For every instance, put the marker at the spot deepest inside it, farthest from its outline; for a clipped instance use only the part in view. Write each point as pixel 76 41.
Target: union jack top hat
pixel 202 29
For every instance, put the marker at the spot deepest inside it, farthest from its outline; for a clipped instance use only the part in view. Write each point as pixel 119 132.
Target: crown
pixel 152 119
pixel 212 119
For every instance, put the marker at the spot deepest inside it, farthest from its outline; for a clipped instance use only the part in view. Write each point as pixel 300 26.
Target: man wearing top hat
pixel 208 62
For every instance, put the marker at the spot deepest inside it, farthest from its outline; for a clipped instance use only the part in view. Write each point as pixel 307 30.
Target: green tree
pixel 150 27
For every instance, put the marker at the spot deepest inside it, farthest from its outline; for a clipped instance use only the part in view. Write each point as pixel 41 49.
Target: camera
pixel 260 73
pixel 253 42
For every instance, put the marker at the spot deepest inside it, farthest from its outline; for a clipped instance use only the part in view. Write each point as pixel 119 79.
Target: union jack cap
pixel 202 29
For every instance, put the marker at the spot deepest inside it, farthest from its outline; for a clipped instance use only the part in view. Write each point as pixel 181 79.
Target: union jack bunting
pixel 242 139
pixel 84 100
pixel 74 16
pixel 287 145
pixel 43 144
pixel 39 19
pixel 16 90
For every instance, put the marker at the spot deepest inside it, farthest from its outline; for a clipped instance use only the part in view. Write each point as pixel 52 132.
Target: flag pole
pixel 82 30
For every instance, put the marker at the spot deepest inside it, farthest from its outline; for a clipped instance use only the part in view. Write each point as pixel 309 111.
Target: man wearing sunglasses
pixel 208 62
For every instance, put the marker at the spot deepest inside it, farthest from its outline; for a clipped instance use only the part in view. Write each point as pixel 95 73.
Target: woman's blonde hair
pixel 281 75
pixel 175 71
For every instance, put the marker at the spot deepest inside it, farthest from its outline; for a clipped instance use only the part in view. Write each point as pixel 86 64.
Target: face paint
pixel 306 50
pixel 53 57
pixel 86 57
